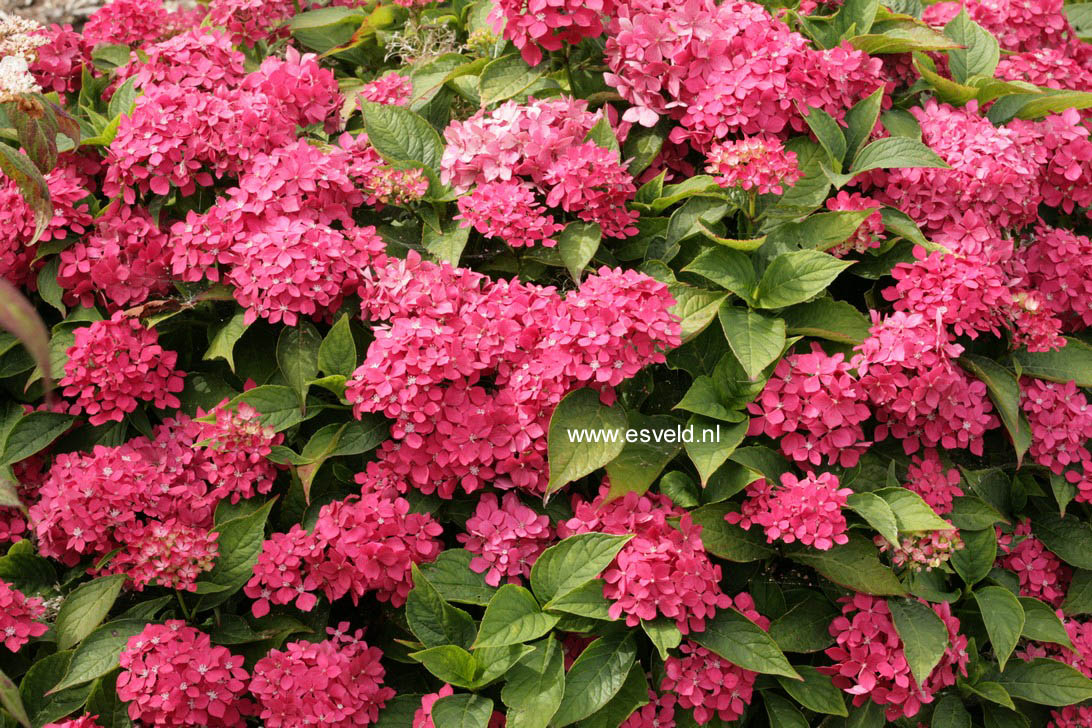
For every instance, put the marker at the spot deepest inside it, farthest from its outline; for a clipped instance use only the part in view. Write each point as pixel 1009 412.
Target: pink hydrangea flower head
pixel 509 211
pixel 250 21
pixel 868 234
pixel 808 510
pixel 658 713
pixel 1061 425
pixel 535 26
pixel 337 682
pixel 392 89
pixel 1042 574
pixel 115 364
pixel 708 684
pixel 506 539
pixel 1071 716
pixel 19 617
pixel 758 163
pixel 929 478
pixel 58 63
pixel 169 554
pixel 236 446
pixel 423 717
pixel 172 674
pixel 1056 262
pixel 126 22
pixel 201 58
pixel 304 90
pixel 922 551
pixel 280 574
pixel 84 721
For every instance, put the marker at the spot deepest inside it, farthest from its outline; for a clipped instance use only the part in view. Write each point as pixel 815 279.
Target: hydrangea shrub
pixel 542 363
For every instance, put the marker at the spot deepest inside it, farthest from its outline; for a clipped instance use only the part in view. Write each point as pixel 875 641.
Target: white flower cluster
pixel 18 44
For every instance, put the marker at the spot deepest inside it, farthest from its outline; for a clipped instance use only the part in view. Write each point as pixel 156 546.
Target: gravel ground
pixel 52 11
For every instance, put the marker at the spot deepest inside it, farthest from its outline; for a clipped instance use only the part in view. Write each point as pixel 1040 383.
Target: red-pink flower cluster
pixel 808 510
pixel 336 683
pixel 664 570
pixel 172 675
pixel 84 721
pixel 1080 657
pixel 868 234
pixel 537 25
pixel 114 365
pixel 919 394
pixel 19 617
pixel 871 663
pixel 58 63
pixel 250 21
pixel 199 59
pixel 509 211
pixel 422 718
pixel 541 144
pixel 506 539
pixel 1071 716
pixel 923 550
pixel 126 22
pixel 166 553
pixel 393 89
pixel 1057 263
pixel 450 328
pixel 759 163
pixel 727 68
pixel 706 682
pixel 1020 25
pixel 367 543
pixel 813 406
pixel 1061 425
pixel 1042 574
pixel 937 485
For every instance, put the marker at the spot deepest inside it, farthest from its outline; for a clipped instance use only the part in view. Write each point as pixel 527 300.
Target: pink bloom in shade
pixel 807 510
pixel 707 683
pixel 19 617
pixel 115 364
pixel 1042 574
pixel 235 452
pixel 814 407
pixel 336 683
pixel 392 89
pixel 172 675
pixel 126 22
pixel 509 211
pixel 1057 263
pixel 1063 151
pixel 507 539
pixel 250 21
pixel 758 163
pixel 202 58
pixel 870 663
pixel 279 574
pixel 71 217
pixel 1080 634
pixel 121 263
pixel 84 721
pixel 937 485
pixel 58 63
pixel 992 172
pixel 1061 425
pixel 923 550
pixel 537 25
pixel 970 295
pixel 1033 325
pixel 1071 716
pixel 423 717
pixel 663 570
pixel 868 234
pixel 658 713
pixel 168 554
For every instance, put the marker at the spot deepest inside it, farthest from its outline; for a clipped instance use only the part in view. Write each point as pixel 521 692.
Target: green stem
pixel 569 73
pixel 182 603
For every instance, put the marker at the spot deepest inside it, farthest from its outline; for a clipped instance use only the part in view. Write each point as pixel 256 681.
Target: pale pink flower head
pixel 869 234
pixel 758 163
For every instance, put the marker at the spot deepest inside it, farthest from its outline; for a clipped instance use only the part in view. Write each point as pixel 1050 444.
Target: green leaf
pixel 861 120
pixel 1042 624
pixel 796 276
pixel 450 663
pixel 711 445
pixel 642 146
pixel 950 713
pixel 326 28
pixel 17 167
pixel 32 433
pixel 432 620
pixel 446 245
pixel 972 513
pixel 1069 538
pixel 782 713
pixel 696 307
pixel 535 686
pixel 512 617
pixel 603 136
pixel 730 269
pixel 505 78
pixel 1004 389
pixel 816 692
pixel 805 627
pixel 828 319
pixel 279 405
pixel 975 560
pixel 829 133
pixel 84 609
pixel 99 652
pixel 297 356
pixel 1078 599
pixel 18 318
pixel 820 231
pixel 1073 362
pixel 595 677
pixel 240 543
pixel 902 37
pixel 337 352
pixel 12 701
pixel 453 578
pixel 577 244
pixel 495 662
pixel 399 711
pixel 728 541
pixel 1046 682
pixel 923 634
pixel 877 513
pixel 756 340
pixel 222 345
pixel 911 512
pixel 895 153
pixel 48 288
pixel 641 462
pixel 855 565
pixel 632 695
pixel 993 692
pixel 739 640
pixel 462 711
pixel 568 565
pixel 980 53
pixel 581 416
pixel 400 135
pixel 105 703
pixel 664 634
pixel 1004 619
